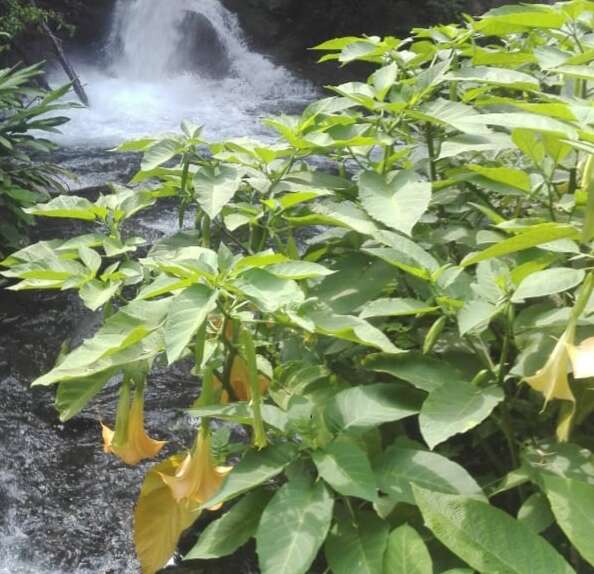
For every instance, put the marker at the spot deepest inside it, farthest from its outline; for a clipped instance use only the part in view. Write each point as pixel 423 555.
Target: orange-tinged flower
pixel 197 480
pixel 131 443
pixel 551 380
pixel 582 359
pixel 240 380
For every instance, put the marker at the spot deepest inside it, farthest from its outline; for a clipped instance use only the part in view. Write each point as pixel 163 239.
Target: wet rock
pixel 201 48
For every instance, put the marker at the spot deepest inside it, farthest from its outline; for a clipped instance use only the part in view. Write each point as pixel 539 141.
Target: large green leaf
pixel 510 19
pixel 548 282
pixel 349 328
pixel 535 512
pixel 407 553
pixel 343 214
pixel 357 280
pixel 424 372
pixel 398 203
pixel 344 465
pixel 215 187
pixel 572 503
pixel 453 114
pixel 228 533
pixel 509 177
pixel 397 307
pixel 187 312
pixel 96 293
pixel 157 153
pixel 299 270
pixel 404 254
pixel 488 539
pixel 293 527
pixel 467 143
pixel 67 206
pixel 532 237
pixel 357 544
pixel 255 468
pixel 456 407
pixel 406 463
pixel 526 121
pixel 371 405
pixel 491 75
pixel 268 291
pixel 73 396
pixel 129 336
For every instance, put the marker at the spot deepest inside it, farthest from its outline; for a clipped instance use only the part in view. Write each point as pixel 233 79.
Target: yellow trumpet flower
pixel 128 441
pixel 240 382
pixel 551 380
pixel 197 480
pixel 582 359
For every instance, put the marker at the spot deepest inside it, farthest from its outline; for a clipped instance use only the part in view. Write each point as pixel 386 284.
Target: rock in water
pixel 201 49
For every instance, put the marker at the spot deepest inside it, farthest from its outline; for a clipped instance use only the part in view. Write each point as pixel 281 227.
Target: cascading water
pixel 178 59
pixel 65 507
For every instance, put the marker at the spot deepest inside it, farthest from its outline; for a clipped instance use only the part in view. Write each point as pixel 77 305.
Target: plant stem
pixel 431 151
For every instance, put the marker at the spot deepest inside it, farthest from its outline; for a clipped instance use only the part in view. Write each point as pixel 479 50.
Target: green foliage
pixel 24 110
pixel 17 16
pixel 386 323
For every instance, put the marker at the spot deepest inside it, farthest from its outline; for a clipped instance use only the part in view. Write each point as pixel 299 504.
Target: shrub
pixel 394 299
pixel 24 111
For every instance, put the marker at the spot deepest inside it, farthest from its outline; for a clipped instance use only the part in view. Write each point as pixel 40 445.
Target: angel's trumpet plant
pixel 129 441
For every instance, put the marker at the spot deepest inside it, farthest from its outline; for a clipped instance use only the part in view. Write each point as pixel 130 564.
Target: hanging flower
pixel 240 380
pixel 552 380
pixel 582 359
pixel 197 480
pixel 129 441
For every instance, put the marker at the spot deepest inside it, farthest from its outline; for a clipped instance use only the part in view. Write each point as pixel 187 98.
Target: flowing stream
pixel 65 507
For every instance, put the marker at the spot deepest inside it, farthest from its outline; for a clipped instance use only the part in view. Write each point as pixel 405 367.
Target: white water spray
pixel 160 72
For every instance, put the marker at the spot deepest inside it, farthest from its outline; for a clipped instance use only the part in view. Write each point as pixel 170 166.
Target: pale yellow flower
pixel 582 358
pixel 197 480
pixel 134 445
pixel 552 380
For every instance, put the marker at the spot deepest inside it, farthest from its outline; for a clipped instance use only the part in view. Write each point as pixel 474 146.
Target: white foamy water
pixel 154 78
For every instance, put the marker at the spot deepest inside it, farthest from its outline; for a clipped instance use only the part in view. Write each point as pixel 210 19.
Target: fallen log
pixel 57 45
pixel 76 83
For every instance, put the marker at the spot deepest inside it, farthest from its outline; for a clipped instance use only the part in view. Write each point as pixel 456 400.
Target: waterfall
pixel 170 60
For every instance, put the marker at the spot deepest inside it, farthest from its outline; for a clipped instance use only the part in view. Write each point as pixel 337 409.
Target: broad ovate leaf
pixel 407 553
pixel 572 503
pixel 254 469
pixel 293 527
pixel 366 406
pixel 187 312
pixel 548 282
pixel 345 466
pixel 398 203
pixel 406 463
pixel 232 530
pixel 357 544
pixel 456 407
pixel 215 187
pixel 485 537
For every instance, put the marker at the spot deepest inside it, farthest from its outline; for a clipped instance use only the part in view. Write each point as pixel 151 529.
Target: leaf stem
pixel 431 151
